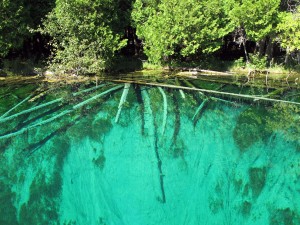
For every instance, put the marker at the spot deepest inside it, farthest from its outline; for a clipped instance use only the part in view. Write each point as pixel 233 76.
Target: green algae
pixel 284 217
pixel 246 208
pixel 250 128
pixel 99 161
pixel 8 213
pixel 257 180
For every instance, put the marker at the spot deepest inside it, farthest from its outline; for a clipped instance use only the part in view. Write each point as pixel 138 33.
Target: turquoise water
pixel 165 158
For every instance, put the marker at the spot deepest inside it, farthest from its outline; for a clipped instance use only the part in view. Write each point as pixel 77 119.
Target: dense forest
pixel 86 36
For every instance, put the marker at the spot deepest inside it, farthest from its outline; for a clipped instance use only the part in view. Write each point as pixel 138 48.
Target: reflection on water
pixel 82 155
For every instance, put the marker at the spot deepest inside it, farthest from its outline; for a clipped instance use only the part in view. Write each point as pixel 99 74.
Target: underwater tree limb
pixel 154 133
pixel 250 97
pixel 189 84
pixel 165 109
pixel 17 105
pixel 138 94
pixel 199 108
pixel 43 105
pixel 89 89
pixel 180 91
pixel 122 100
pixel 61 114
pixel 30 110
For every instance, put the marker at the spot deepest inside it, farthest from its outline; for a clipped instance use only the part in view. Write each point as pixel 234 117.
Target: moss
pixel 100 160
pixel 284 118
pixel 257 178
pixel 250 128
pixel 7 210
pixel 246 190
pixel 45 192
pixel 238 184
pixel 177 149
pixel 298 147
pixel 246 208
pixel 156 100
pixel 102 125
pixel 43 202
pixel 93 130
pixel 284 217
pixel 215 205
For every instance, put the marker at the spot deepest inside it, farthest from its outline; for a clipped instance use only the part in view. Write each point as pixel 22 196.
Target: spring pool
pixel 118 154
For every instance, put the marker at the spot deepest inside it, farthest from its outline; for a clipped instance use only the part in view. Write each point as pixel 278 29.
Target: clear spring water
pixel 228 164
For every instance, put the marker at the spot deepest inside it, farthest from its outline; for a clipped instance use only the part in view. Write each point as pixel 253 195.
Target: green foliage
pixel 17 19
pixel 257 17
pixel 85 33
pixel 289 30
pixel 179 28
pixel 258 62
pixel 13 25
pixel 239 63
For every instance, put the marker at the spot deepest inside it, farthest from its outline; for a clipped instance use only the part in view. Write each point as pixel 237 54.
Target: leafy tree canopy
pixel 289 30
pixel 85 34
pixel 171 27
pixel 257 17
pixel 14 20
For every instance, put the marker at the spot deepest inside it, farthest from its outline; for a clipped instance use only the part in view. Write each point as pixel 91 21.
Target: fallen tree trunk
pixel 68 111
pixel 122 100
pixel 249 97
pixel 165 109
pixel 17 105
pixel 43 105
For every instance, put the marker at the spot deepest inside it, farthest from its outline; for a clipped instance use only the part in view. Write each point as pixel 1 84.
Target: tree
pixel 182 28
pixel 255 19
pixel 85 33
pixel 289 31
pixel 14 20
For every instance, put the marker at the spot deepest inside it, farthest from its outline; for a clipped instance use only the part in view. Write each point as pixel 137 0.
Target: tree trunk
pixel 270 50
pixel 245 49
pixel 287 56
pixel 261 47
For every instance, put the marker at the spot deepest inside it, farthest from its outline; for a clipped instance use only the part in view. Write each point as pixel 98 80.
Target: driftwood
pixel 196 70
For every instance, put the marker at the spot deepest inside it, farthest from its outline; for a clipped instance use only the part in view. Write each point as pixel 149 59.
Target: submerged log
pixel 199 108
pixel 122 100
pixel 61 114
pixel 17 105
pixel 153 130
pixel 43 105
pixel 180 91
pixel 165 109
pixel 213 92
